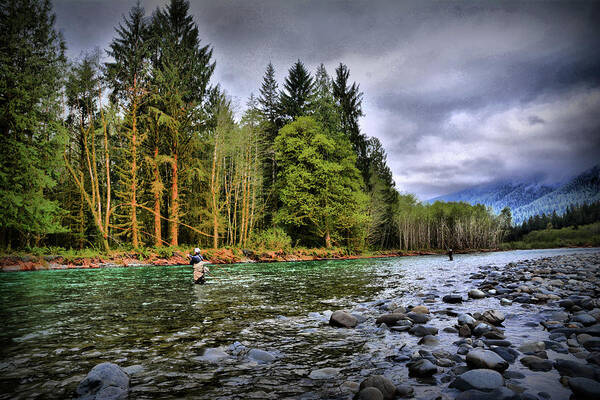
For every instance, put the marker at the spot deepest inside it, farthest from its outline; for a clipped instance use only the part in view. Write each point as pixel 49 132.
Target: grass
pixel 585 235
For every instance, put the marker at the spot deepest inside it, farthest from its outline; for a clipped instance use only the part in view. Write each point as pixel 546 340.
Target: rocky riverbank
pixel 493 353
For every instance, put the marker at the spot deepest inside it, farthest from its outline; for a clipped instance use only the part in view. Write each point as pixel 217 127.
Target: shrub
pixel 271 239
pixel 165 252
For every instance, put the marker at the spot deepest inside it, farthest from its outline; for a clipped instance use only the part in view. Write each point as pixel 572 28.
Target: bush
pixel 143 253
pixel 271 239
pixel 165 252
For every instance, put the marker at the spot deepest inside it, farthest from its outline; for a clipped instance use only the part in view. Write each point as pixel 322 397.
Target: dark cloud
pixel 459 92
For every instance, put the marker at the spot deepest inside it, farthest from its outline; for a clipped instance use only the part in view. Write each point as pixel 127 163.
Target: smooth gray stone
pixel 342 319
pixel 106 381
pixel 479 379
pixel 575 369
pixel 370 393
pixel 385 386
pixel 261 356
pixel 584 388
pixel 421 368
pixel 390 319
pixel 536 363
pixel 502 393
pixel 452 299
pixel 506 353
pixel 480 358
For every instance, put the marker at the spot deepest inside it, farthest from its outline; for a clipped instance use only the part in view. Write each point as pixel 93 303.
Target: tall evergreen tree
pixel 297 97
pixel 349 99
pixel 325 110
pixel 32 63
pixel 128 77
pixel 182 71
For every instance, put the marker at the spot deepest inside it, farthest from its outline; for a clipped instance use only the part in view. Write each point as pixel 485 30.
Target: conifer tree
pixel 349 100
pixel 182 71
pixel 297 97
pixel 128 77
pixel 32 63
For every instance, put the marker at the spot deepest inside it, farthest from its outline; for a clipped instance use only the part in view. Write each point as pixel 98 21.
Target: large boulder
pixel 342 319
pixel 479 379
pixel 381 383
pixel 480 358
pixel 106 381
pixel 261 356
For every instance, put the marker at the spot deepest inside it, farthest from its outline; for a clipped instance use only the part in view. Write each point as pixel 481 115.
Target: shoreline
pixel 217 257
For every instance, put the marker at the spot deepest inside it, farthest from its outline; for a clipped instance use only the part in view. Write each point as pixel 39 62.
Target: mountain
pixel 584 188
pixel 527 199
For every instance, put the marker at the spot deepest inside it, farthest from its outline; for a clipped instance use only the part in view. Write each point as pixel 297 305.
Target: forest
pixel 136 146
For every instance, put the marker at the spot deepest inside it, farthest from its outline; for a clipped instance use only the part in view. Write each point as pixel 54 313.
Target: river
pixel 56 325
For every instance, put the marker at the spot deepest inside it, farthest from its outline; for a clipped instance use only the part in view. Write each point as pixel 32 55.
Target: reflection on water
pixel 58 324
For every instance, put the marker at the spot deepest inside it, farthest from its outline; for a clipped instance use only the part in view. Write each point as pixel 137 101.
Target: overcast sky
pixel 459 93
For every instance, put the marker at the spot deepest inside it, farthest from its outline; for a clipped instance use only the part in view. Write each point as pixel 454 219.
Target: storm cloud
pixel 459 93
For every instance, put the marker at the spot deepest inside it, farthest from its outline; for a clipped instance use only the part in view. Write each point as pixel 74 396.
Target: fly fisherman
pixel 199 269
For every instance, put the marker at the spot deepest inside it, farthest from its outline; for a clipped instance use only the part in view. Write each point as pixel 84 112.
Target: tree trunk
pixel 157 226
pixel 174 218
pixel 134 225
pixel 327 239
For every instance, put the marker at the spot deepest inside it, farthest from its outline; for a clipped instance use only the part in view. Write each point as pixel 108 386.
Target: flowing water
pixel 56 325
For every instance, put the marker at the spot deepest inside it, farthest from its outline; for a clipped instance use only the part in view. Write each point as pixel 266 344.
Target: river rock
pixel 476 294
pixel 502 393
pixel 464 331
pixel 370 393
pixel 536 363
pixel 385 386
pixel 418 318
pixel 261 356
pixel 575 369
pixel 585 319
pixel 584 388
pixel 342 319
pixel 505 302
pixel 486 359
pixel 421 368
pixel 494 317
pixel 466 319
pixel 481 329
pixel 390 319
pixel 106 381
pixel 532 347
pixel 420 309
pixel 452 299
pixel 423 330
pixel 592 344
pixel 213 355
pixel 324 373
pixel 508 354
pixel 478 379
pixel 429 340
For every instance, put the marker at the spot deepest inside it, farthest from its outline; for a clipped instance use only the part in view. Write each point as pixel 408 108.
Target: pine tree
pixel 349 99
pixel 325 110
pixel 182 71
pixel 32 63
pixel 128 77
pixel 297 97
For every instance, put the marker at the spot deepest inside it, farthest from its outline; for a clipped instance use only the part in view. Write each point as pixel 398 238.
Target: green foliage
pixel 586 235
pixel 143 253
pixel 271 239
pixel 297 97
pixel 31 66
pixel 165 251
pixel 319 185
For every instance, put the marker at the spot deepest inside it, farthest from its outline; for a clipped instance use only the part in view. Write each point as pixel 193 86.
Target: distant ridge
pixel 527 199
